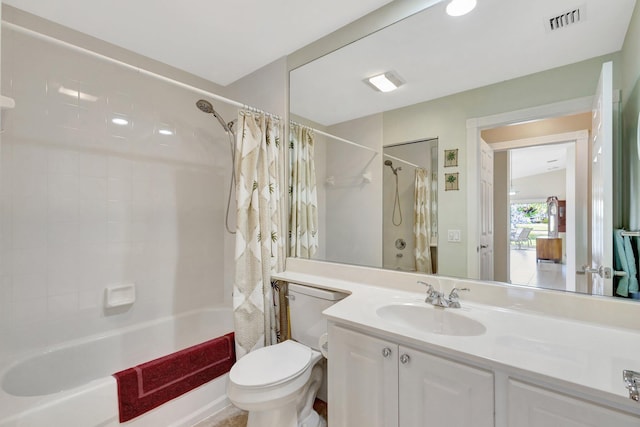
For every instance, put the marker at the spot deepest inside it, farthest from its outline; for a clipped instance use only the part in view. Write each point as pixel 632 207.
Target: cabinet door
pixel 531 406
pixel 363 380
pixel 436 392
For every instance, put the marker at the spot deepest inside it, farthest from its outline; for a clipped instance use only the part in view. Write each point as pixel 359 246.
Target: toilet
pixel 278 384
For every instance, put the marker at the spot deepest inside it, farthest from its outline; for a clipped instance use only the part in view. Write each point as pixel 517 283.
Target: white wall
pixel 354 213
pixel 86 204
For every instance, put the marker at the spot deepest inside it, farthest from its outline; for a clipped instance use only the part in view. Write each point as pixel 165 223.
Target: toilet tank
pixel 306 305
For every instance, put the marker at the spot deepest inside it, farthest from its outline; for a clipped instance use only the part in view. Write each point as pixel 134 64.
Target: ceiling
pixel 220 41
pixel 538 160
pixel 437 55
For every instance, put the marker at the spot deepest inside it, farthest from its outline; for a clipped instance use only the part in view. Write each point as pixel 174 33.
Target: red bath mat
pixel 151 384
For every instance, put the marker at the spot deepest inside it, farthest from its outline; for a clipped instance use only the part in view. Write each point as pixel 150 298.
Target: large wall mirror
pixel 498 114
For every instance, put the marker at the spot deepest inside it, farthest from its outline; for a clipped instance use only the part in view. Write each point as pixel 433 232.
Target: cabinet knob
pixel 404 359
pixel 386 352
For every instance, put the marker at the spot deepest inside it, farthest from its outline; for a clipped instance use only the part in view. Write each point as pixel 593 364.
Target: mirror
pixel 455 73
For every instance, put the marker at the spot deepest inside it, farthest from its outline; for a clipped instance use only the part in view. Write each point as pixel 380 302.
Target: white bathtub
pixel 72 384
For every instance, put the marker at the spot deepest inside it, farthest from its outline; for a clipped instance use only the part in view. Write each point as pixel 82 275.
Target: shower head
pixel 390 164
pixel 207 107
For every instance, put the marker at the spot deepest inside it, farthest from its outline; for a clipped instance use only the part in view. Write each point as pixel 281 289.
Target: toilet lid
pixel 271 365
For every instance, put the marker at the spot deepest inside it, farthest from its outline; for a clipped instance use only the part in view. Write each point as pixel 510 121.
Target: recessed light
pixel 460 7
pixel 165 132
pixel 385 82
pixel 119 121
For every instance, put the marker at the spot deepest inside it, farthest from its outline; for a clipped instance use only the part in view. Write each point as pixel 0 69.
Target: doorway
pixel 538 252
pixel 544 121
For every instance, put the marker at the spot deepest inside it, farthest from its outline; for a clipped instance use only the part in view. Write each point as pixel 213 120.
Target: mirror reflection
pixel 489 90
pixel 410 206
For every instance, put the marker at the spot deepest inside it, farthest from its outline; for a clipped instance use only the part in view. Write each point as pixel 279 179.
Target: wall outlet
pixel 453 236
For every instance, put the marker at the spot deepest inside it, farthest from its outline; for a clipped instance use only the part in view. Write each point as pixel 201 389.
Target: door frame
pixel 474 127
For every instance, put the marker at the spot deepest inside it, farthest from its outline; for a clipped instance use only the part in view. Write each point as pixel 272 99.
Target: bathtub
pixel 72 384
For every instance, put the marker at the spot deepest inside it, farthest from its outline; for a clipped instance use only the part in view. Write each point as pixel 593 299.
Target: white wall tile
pixel 93 165
pixel 85 203
pixel 62 305
pixel 91 187
pixel 63 186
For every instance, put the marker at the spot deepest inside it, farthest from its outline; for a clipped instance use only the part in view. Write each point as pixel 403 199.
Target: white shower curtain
pixel 422 222
pixel 259 244
pixel 303 218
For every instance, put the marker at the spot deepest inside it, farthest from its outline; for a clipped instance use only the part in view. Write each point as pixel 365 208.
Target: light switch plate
pixel 453 236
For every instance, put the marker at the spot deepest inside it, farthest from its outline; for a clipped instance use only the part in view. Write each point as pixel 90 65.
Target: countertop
pixel 584 357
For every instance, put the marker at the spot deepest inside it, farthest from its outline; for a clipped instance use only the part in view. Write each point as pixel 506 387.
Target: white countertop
pixel 585 357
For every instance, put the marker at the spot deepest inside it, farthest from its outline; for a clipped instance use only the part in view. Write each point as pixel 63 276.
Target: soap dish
pixel 119 295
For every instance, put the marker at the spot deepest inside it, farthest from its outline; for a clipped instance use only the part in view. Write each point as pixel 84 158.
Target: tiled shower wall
pixel 87 204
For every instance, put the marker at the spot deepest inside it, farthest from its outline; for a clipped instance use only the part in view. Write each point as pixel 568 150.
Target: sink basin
pixel 430 319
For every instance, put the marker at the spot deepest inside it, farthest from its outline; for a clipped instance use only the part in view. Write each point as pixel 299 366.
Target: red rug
pixel 151 384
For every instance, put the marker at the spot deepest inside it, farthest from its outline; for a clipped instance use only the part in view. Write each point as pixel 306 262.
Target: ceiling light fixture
pixel 460 7
pixel 165 132
pixel 384 82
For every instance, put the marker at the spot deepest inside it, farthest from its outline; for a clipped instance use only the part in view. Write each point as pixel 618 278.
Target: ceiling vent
pixel 566 19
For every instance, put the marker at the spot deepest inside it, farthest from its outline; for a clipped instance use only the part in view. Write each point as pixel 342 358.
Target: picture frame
pixel 451 181
pixel 450 158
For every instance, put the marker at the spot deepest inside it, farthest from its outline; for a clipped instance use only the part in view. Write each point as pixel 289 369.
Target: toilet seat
pixel 271 365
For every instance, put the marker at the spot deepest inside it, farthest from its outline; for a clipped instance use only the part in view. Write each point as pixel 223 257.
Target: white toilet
pixel 278 384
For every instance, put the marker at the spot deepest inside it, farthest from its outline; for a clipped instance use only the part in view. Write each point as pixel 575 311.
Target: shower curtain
pixel 303 218
pixel 259 245
pixel 422 222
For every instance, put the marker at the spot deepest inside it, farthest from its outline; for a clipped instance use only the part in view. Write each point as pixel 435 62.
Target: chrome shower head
pixel 207 107
pixel 388 163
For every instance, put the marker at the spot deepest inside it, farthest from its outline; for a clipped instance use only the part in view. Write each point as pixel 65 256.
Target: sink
pixel 426 318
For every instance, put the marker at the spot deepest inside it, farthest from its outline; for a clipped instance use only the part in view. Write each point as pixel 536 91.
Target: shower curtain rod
pixel 401 161
pixel 174 82
pixel 337 138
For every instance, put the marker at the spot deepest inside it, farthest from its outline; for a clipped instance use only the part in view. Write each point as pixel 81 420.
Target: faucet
pixel 437 298
pixel 454 298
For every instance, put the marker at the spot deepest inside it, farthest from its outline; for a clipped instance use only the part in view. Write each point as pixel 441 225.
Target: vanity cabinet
pixel 533 406
pixel 364 377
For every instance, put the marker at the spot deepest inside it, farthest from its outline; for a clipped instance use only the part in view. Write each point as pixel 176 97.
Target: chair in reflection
pixel 521 236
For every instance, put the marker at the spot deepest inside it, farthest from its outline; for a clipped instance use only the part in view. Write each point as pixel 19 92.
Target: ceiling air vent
pixel 566 19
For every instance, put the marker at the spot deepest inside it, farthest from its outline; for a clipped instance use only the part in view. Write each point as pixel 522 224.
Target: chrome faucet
pixel 454 298
pixel 437 298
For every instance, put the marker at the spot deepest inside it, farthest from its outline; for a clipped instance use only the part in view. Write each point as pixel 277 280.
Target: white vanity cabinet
pixel 364 377
pixel 533 406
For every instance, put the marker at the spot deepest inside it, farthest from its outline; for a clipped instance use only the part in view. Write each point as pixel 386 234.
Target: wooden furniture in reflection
pixel 549 248
pixel 562 216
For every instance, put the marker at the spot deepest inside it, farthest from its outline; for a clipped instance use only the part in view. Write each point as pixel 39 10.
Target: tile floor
pixel 234 417
pixel 526 271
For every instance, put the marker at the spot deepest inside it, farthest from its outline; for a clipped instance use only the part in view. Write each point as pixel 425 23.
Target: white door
pixel 602 184
pixel 363 385
pixel 486 212
pixel 437 392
